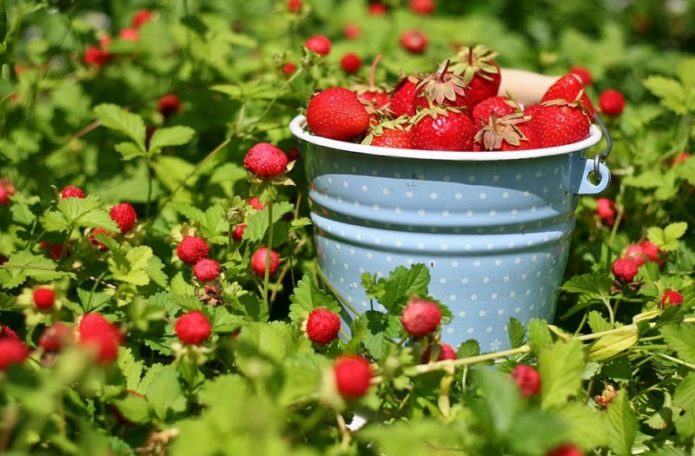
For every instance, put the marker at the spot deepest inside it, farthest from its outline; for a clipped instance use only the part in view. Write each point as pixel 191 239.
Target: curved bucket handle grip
pixel 597 166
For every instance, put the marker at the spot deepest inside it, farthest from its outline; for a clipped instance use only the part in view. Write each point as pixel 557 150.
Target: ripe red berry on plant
pixel 424 7
pixel 625 269
pixel 258 262
pixel 353 376
pixel 421 317
pixel 56 336
pixel 265 161
pixel 294 6
pixel 567 449
pixel 96 56
pixel 289 68
pixel 319 44
pixel 100 337
pixel 93 238
pixel 611 102
pixel 129 34
pixel 71 192
pixel 414 41
pixel 124 215
pixel 206 270
pixel 192 249
pixel 528 379
pixel 351 63
pixel 141 17
pixel 671 297
pixel 193 328
pixel 169 104
pixel 322 326
pixel 44 298
pixel 7 190
pixel 605 210
pixel 446 352
pixel 12 352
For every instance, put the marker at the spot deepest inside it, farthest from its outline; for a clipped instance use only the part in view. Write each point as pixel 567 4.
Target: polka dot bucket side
pixel 493 228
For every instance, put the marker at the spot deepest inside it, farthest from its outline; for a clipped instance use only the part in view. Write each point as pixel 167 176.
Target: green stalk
pixel 266 278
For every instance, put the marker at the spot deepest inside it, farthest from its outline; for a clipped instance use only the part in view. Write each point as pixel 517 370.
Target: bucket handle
pixel 597 167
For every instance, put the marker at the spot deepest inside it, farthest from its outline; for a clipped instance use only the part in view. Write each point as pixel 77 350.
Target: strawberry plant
pixel 159 288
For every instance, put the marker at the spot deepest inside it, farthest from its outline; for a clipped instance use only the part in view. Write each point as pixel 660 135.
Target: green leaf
pixel 116 118
pixel 594 285
pixel 469 348
pixel 307 297
pixel 669 91
pixel 131 269
pixel 681 339
pixel 500 400
pixel 536 432
pixel 382 330
pixel 561 366
pixel 154 270
pixel 171 136
pixel 23 265
pixel 581 425
pixel 539 335
pixel 517 332
pixel 667 239
pixel 165 395
pixel 257 223
pixel 684 399
pixel 134 408
pixel 620 424
pixel 129 150
pixel 597 322
pixel 401 284
pixel 612 344
pixel 261 347
pixel 130 368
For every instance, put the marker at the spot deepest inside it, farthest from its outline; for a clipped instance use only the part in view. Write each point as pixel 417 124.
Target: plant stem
pixel 149 188
pixel 266 277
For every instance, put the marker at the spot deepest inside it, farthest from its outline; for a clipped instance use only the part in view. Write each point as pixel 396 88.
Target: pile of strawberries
pixel 455 108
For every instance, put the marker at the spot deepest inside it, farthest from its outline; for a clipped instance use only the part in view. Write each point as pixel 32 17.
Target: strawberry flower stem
pixel 266 277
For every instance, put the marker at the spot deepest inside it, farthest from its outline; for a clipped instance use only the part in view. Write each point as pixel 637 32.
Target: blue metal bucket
pixel 493 227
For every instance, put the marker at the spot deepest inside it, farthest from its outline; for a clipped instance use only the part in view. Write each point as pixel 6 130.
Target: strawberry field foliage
pixel 161 115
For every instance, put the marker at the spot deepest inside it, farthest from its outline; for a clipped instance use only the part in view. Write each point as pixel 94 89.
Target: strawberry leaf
pixel 561 366
pixel 620 424
pixel 684 399
pixel 307 297
pixel 116 118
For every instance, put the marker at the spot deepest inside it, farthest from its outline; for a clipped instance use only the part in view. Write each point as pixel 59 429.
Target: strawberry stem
pixel 372 71
pixel 268 255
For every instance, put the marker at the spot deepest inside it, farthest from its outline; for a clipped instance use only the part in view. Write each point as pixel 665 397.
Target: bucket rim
pixel 298 124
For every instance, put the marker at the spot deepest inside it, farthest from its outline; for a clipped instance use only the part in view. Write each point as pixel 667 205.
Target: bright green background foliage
pixel 266 389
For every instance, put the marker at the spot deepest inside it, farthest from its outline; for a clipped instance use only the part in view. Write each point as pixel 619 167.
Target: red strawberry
pixel 264 160
pixel 7 190
pixel 424 7
pixel 625 269
pixel 129 34
pixel 671 298
pixel 96 56
pixel 353 375
pixel 611 102
pixel 169 104
pixel 71 192
pixel 55 251
pixel 443 130
pixel 636 253
pixel 293 154
pixel 606 397
pixel 255 203
pixel 56 337
pixel 289 68
pixel 420 317
pixel 497 106
pixel 206 270
pixel 93 238
pixel 337 113
pixel 294 6
pixel 567 449
pixel 391 133
pixel 44 298
pixel 378 9
pixel 532 110
pixel 352 31
pixel 141 17
pixel 7 333
pixel 322 326
pixel 527 379
pixel 351 63
pixel 125 216
pixel 508 133
pixel 100 336
pixel 320 44
pixel 258 261
pixel 403 98
pixel 414 41
pixel 605 209
pixel 12 352
pixel 441 88
pixel 560 123
pixel 480 73
pixel 652 252
pixel 192 249
pixel 193 328
pixel 569 88
pixel 238 232
pixel 583 74
pixel 446 351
